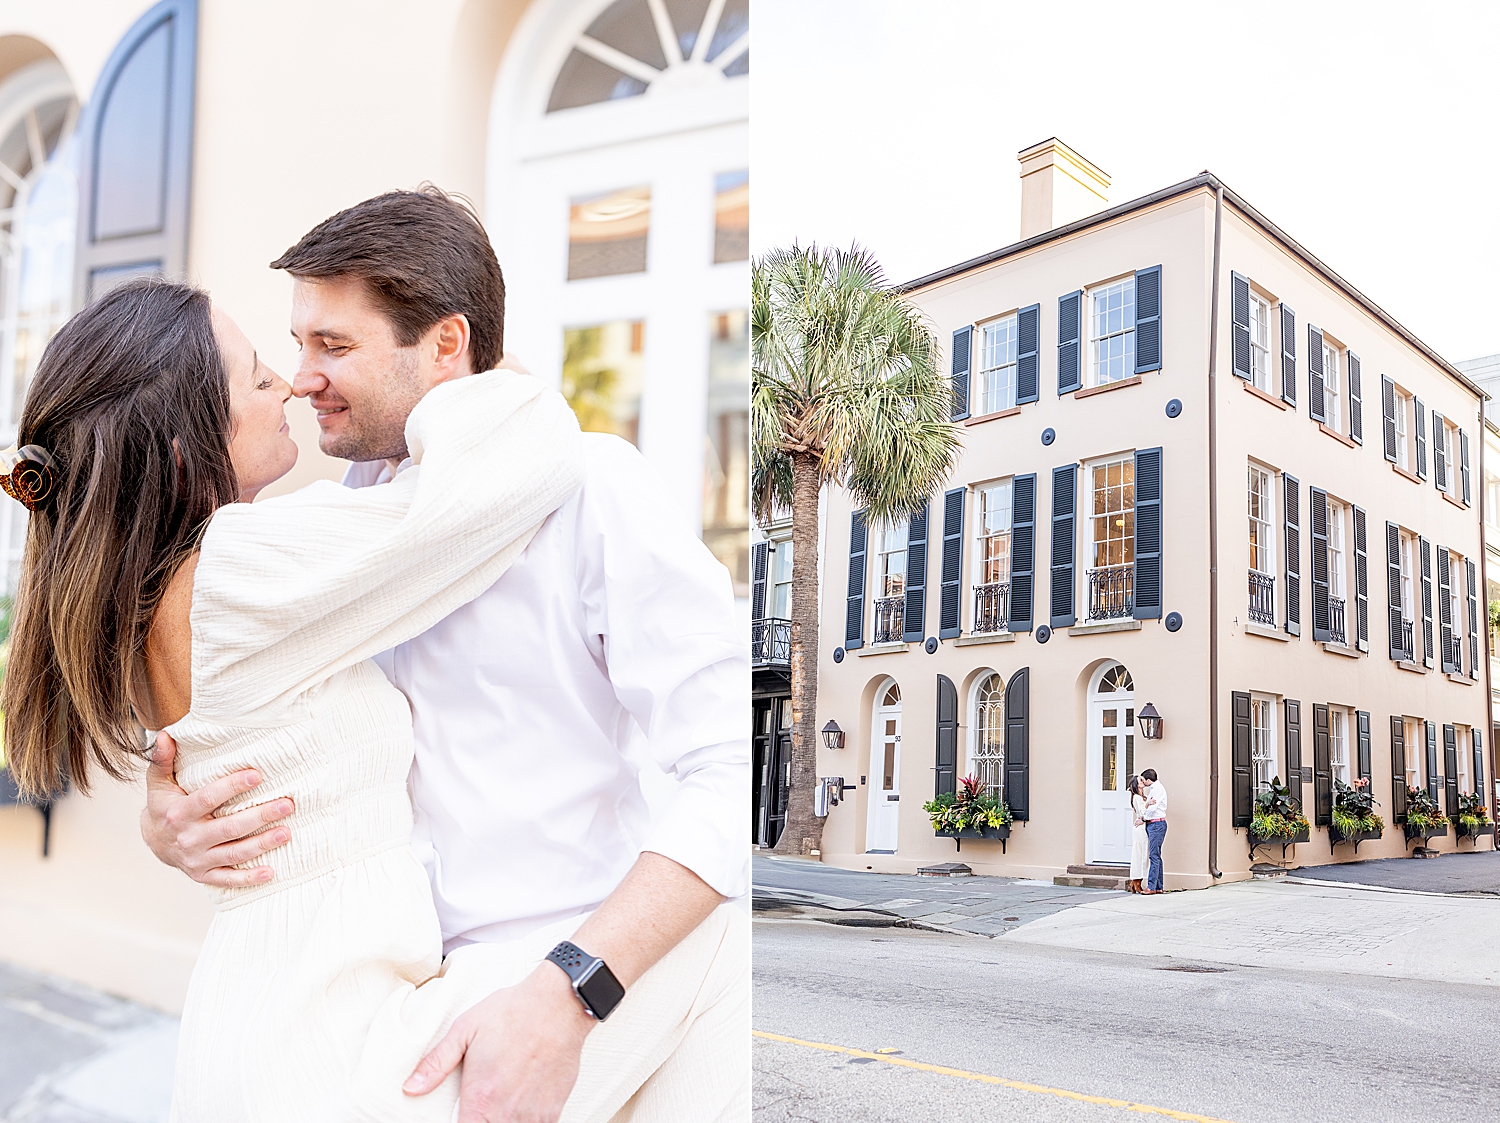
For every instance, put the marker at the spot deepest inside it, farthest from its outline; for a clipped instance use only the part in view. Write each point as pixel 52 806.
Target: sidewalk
pixel 71 1054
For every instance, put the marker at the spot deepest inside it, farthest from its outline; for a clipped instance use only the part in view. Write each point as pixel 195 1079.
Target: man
pixel 609 648
pixel 1156 827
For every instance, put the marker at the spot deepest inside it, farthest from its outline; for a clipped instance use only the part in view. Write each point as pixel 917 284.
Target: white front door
pixel 1110 759
pixel 885 780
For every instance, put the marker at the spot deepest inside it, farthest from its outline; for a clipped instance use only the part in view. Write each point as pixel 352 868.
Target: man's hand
pixel 181 829
pixel 520 1049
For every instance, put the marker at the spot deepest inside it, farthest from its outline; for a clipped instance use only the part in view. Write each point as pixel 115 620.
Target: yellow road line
pixel 984 1078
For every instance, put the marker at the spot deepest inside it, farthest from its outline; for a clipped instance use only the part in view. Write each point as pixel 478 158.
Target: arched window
pixel 1116 679
pixel 988 757
pixel 892 696
pixel 38 222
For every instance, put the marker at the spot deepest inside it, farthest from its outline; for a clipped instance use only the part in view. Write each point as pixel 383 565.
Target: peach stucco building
pixel 1201 471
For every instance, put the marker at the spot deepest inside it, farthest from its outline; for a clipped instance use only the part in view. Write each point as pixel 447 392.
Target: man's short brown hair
pixel 423 255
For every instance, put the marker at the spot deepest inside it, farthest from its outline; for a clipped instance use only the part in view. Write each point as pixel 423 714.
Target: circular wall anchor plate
pixel 838 654
pixel 1043 634
pixel 1174 621
pixel 1048 436
pixel 1174 407
pixel 931 644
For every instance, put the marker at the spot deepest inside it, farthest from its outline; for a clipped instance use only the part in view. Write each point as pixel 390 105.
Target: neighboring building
pixel 771 678
pixel 1485 373
pixel 1147 394
pixel 605 143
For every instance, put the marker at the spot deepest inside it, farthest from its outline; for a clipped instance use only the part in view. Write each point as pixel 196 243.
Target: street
pixel 1038 1031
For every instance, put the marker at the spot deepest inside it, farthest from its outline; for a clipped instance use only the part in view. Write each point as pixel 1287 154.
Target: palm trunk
pixel 803 832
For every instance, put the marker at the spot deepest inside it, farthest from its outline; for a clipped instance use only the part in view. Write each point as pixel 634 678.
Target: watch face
pixel 601 990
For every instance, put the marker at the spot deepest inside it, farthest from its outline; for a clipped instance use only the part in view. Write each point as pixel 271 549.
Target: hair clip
pixel 28 474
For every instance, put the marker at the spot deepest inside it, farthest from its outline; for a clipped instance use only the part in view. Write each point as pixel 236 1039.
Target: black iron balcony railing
pixel 1111 592
pixel 1262 598
pixel 992 607
pixel 771 643
pixel 1336 631
pixel 1456 654
pixel 1404 642
pixel 890 615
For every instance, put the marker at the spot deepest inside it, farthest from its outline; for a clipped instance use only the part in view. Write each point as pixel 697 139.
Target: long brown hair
pixel 131 398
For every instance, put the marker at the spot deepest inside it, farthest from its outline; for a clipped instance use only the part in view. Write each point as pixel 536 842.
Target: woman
pixel 152 596
pixel 1140 845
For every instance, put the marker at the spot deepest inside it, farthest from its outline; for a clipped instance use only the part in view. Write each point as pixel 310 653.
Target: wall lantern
pixel 833 736
pixel 1149 722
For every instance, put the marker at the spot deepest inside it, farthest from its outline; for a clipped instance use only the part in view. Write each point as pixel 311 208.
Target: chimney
pixel 1058 186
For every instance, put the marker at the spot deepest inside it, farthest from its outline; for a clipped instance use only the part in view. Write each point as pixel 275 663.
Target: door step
pixel 1101 869
pixel 1090 881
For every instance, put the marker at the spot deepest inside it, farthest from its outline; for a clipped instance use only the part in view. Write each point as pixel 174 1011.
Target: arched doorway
pixel 885 771
pixel 1109 760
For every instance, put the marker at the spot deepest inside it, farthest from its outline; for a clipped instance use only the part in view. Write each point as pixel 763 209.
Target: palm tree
pixel 845 390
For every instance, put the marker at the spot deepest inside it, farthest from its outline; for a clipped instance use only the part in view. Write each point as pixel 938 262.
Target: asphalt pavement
pixel 937 1025
pixel 1476 872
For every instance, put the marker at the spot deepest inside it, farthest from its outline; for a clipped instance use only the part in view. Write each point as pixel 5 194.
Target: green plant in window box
pixel 970 808
pixel 1473 815
pixel 1277 814
pixel 1423 812
pixel 1354 809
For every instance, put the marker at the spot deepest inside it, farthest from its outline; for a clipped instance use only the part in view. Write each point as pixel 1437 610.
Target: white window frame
pixel 1451 482
pixel 1458 607
pixel 1465 739
pixel 1403 438
pixel 1338 743
pixel 1112 341
pixel 1263 766
pixel 1492 501
pixel 1409 581
pixel 1262 530
pixel 1260 341
pixel 1416 747
pixel 891 583
pixel 780 577
pixel 1333 398
pixel 1337 555
pixel 1126 514
pixel 1000 534
pixel 996 385
pixel 987 742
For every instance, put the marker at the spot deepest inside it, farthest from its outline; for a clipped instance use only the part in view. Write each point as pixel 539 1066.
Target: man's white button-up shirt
pixel 609 647
pixel 1156 802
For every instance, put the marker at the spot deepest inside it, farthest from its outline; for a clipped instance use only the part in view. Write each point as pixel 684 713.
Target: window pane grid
pixel 1260 342
pixel 1112 334
pixel 1262 742
pixel 994 523
pixel 1114 513
pixel 997 372
pixel 1261 504
pixel 989 736
pixel 1331 387
pixel 1338 744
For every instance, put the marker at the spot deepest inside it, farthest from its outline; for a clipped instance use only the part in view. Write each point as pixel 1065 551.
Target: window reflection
pixel 726 472
pixel 732 216
pixel 607 233
pixel 601 376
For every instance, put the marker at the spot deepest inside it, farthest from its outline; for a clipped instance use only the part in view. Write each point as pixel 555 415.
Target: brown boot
pixel 1134 885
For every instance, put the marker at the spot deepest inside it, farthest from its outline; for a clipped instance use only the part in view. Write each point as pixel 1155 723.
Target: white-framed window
pixel 1403 438
pixel 1448 434
pixel 1338 607
pixel 1261 508
pixel 1260 341
pixel 1338 742
pixel 1408 577
pixel 1465 741
pixel 1332 400
pixel 1457 612
pixel 890 560
pixel 781 580
pixel 1111 577
pixel 1492 501
pixel 1262 741
pixel 997 366
pixel 987 760
pixel 1415 747
pixel 1112 332
pixel 992 561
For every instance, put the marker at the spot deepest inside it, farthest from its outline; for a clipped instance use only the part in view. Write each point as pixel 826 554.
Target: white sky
pixel 1367 131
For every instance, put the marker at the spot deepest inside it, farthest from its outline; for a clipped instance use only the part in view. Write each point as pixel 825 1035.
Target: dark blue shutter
pixel 1362 723
pixel 1479 762
pixel 1293 536
pixel 1439 456
pixel 1064 543
pixel 1322 768
pixel 1472 576
pixel 1317 516
pixel 1432 761
pixel 953 563
pixel 1361 582
pixel 136 156
pixel 1018 744
pixel 1450 769
pixel 1356 401
pixel 1288 355
pixel 1398 769
pixel 1463 464
pixel 1315 392
pixel 854 616
pixel 1419 417
pixel 1445 613
pixel 1424 547
pixel 914 615
pixel 1394 616
pixel 1241 787
pixel 1148 319
pixel 759 557
pixel 1293 710
pixel 1028 354
pixel 1148 489
pixel 945 765
pixel 1069 342
pixel 1388 416
pixel 1022 551
pixel 1239 315
pixel 962 339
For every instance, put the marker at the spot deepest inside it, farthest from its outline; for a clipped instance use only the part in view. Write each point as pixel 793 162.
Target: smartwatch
pixel 593 982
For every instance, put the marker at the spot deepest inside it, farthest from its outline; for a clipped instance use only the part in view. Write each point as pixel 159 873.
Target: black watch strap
pixel 593 982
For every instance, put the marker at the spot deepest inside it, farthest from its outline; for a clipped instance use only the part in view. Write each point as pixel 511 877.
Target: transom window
pixel 997 371
pixel 892 696
pixel 1260 342
pixel 1112 331
pixel 1262 742
pixel 1331 388
pixel 1116 679
pixel 989 734
pixel 1338 743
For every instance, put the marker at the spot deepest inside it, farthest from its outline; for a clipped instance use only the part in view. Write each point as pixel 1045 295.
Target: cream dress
pixel 1140 845
pixel 315 995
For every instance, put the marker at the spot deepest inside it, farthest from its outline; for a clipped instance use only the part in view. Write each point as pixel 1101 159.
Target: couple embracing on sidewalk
pixel 1148 805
